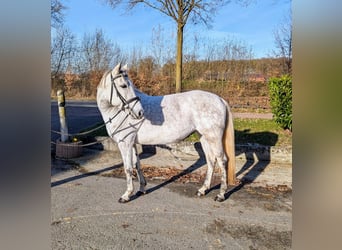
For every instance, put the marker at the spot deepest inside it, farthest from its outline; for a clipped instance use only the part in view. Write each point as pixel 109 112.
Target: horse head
pixel 117 90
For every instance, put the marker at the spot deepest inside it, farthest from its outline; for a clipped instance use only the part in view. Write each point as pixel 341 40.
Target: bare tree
pixel 157 45
pixel 97 54
pixel 236 55
pixel 210 47
pixel 283 43
pixel 200 11
pixel 57 15
pixel 135 55
pixel 62 50
pixel 191 57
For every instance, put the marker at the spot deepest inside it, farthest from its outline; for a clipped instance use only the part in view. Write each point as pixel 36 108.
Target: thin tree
pixel 283 43
pixel 57 15
pixel 97 55
pixel 98 52
pixel 200 11
pixel 63 47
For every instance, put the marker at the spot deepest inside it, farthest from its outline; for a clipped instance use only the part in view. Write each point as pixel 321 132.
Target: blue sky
pixel 254 24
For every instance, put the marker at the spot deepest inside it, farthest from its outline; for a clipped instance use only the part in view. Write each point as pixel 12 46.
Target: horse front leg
pixel 141 178
pixel 127 154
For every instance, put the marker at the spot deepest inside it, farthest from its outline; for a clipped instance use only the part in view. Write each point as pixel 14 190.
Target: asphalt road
pixel 85 214
pixel 79 115
pixel 83 114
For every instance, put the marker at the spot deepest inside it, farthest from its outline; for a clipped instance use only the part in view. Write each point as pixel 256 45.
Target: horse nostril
pixel 141 113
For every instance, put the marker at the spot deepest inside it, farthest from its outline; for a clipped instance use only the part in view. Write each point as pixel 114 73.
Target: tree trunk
pixel 179 59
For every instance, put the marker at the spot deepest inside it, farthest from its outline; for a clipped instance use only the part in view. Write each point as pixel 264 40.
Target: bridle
pixel 125 103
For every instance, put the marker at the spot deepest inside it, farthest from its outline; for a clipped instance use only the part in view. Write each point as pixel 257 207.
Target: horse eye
pixel 124 86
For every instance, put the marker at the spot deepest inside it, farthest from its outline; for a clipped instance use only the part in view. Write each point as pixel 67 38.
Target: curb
pixel 247 152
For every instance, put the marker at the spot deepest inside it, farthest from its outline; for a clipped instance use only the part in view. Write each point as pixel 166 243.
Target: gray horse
pixel 133 117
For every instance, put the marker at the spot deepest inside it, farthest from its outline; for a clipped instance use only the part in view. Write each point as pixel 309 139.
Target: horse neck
pixel 110 112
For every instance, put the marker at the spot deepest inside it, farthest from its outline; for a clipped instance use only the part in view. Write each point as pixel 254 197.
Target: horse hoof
pixel 121 200
pixel 199 194
pixel 219 199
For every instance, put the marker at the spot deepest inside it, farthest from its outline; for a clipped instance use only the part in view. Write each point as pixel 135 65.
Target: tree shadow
pixel 83 175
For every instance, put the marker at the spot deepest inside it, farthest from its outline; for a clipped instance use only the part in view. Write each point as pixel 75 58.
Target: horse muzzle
pixel 134 108
pixel 136 112
pixel 140 114
pixel 137 115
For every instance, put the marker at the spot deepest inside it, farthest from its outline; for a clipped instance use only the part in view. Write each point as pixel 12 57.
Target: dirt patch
pixel 268 199
pixel 152 173
pixel 258 236
pixel 189 190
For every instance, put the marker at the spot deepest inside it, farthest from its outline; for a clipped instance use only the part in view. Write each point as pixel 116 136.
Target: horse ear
pixel 125 67
pixel 116 70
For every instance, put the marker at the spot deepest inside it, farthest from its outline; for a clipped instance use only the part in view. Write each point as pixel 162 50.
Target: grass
pixel 250 110
pixel 261 131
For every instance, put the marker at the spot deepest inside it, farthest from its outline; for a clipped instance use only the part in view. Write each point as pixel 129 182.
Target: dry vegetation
pixel 244 87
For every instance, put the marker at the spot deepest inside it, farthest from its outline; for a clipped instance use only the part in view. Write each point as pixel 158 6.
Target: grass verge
pixel 261 131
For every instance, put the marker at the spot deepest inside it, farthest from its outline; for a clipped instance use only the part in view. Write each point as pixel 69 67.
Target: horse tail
pixel 229 146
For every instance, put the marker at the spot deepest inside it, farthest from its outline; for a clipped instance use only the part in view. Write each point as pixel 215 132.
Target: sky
pixel 253 25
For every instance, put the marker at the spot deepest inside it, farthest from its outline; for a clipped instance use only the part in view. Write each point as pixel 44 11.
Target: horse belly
pixel 150 134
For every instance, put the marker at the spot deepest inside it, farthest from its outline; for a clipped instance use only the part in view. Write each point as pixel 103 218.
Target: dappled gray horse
pixel 133 117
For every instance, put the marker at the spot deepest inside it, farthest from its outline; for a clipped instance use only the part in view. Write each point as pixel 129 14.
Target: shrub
pixel 281 100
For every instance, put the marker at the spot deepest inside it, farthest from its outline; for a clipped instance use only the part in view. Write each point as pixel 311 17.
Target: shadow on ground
pixel 257 159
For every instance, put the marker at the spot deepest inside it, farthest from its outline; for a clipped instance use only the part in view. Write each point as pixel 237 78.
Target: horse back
pixel 171 118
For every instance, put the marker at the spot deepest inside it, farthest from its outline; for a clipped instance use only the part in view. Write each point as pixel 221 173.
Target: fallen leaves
pixel 161 174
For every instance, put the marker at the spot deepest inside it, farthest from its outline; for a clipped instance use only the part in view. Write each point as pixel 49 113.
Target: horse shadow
pixel 256 149
pixel 258 157
pixel 84 175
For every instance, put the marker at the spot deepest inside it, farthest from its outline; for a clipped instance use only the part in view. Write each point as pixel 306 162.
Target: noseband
pixel 125 103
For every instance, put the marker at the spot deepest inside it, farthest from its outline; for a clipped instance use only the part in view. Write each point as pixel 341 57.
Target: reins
pixel 125 105
pixel 92 130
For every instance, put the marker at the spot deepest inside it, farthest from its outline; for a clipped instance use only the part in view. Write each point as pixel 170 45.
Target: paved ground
pixel 253 115
pixel 85 214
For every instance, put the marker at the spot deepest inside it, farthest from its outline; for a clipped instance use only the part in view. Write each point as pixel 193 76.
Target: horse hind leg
pixel 222 162
pixel 214 153
pixel 141 178
pixel 210 167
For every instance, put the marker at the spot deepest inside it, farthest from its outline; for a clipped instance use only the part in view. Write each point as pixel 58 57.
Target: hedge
pixel 281 100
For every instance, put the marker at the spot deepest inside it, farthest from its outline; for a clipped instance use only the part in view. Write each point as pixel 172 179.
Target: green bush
pixel 281 100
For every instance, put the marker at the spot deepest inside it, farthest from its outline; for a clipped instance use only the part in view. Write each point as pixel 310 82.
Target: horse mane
pixel 102 82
